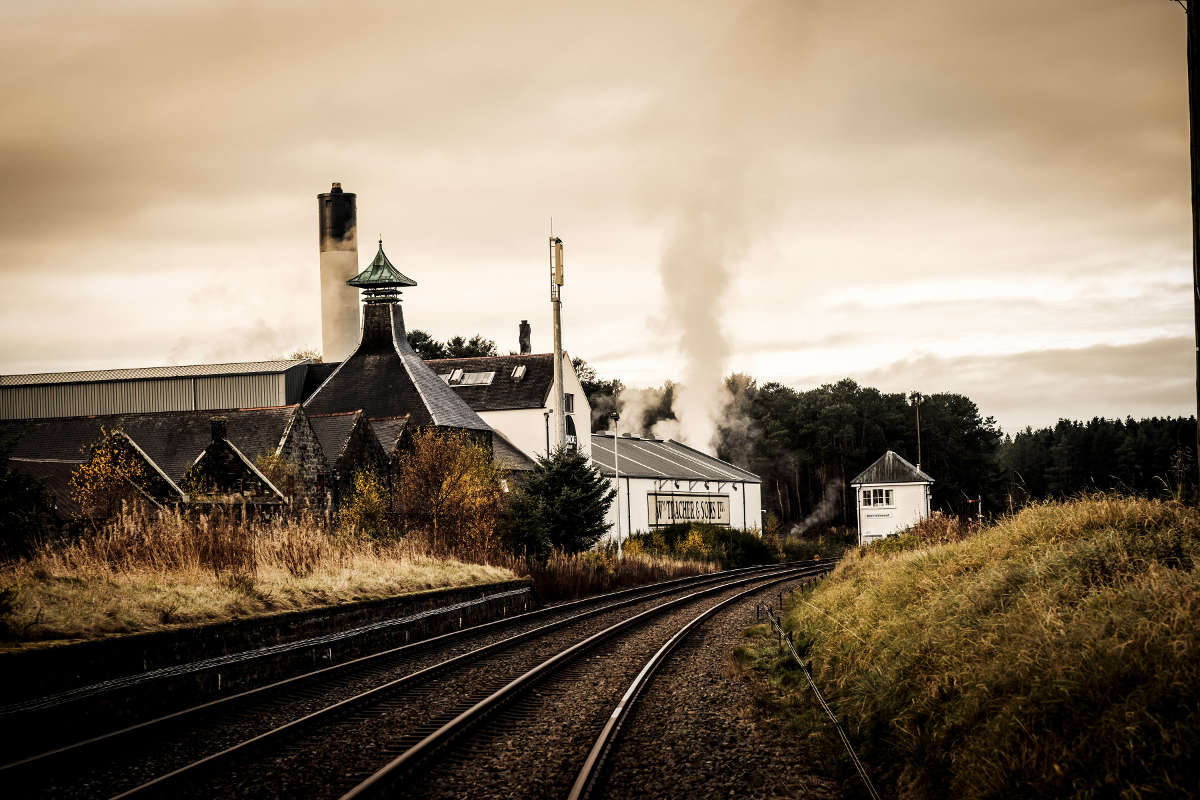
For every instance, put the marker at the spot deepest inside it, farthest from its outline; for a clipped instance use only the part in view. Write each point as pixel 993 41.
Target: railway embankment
pixel 1053 654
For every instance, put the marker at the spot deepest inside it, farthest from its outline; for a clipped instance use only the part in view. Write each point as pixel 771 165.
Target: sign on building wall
pixel 668 509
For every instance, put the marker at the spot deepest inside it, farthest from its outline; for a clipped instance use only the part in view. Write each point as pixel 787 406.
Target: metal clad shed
pixel 664 482
pixel 122 391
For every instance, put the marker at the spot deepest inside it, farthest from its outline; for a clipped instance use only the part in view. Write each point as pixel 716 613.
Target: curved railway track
pixel 528 738
pixel 229 745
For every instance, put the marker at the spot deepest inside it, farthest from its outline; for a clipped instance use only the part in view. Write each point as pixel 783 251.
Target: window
pixel 569 403
pixel 518 372
pixel 477 379
pixel 877 497
pixel 572 436
pixel 454 377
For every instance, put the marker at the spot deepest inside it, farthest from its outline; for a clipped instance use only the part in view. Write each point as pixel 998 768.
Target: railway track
pixel 228 744
pixel 529 737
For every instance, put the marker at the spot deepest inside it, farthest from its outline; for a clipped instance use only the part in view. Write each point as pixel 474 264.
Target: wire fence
pixel 785 642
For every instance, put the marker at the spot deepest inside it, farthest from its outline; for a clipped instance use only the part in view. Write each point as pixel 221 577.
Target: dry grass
pixel 145 573
pixel 1054 654
pixel 565 576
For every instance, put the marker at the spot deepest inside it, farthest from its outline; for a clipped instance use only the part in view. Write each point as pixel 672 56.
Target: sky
pixel 935 195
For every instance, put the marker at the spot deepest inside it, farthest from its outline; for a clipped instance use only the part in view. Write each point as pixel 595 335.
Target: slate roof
pixel 508 455
pixel 315 376
pixel 171 439
pixel 384 377
pixel 388 431
pixel 531 391
pixel 150 373
pixel 891 468
pixel 333 431
pixel 55 477
pixel 663 459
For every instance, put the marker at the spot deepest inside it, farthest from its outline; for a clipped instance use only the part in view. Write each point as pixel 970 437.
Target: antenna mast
pixel 556 282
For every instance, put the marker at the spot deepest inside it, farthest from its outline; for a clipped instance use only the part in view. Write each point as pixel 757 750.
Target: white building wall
pixel 910 504
pixel 745 504
pixel 527 428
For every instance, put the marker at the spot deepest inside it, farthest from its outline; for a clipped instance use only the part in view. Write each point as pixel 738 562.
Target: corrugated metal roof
pixel 891 468
pixel 663 459
pixel 152 373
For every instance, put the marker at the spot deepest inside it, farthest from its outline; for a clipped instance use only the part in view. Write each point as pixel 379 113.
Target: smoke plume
pixel 710 185
pixel 825 510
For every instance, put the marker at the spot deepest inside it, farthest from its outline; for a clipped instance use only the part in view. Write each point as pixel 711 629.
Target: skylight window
pixel 477 379
pixel 518 372
pixel 455 377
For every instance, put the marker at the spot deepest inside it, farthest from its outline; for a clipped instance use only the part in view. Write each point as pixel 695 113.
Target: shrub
pixel 729 547
pixel 368 510
pixel 449 490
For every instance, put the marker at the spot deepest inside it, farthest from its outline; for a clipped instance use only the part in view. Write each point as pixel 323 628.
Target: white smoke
pixel 713 185
pixel 825 510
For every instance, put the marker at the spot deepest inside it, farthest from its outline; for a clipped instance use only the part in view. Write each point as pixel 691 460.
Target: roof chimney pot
pixel 523 334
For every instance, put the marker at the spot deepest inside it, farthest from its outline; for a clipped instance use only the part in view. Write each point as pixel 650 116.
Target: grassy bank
pixel 1055 654
pixel 147 573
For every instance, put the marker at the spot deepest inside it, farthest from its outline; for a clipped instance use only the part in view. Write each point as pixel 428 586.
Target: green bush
pixel 729 547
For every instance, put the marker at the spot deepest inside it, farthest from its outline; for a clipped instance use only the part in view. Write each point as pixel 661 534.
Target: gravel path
pixel 696 731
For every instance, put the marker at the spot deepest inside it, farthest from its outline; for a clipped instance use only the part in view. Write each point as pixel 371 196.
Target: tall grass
pixel 1054 654
pixel 565 576
pixel 144 571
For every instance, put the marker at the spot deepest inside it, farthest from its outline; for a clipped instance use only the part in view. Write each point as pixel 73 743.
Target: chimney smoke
pixel 523 334
pixel 337 228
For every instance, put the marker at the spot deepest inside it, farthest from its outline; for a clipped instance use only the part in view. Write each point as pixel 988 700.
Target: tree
pixel 111 475
pixel 368 509
pixel 311 353
pixel 475 347
pixel 601 395
pixel 450 490
pixel 425 345
pixel 429 348
pixel 561 505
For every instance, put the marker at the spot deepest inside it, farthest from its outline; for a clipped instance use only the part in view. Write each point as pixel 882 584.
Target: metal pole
pixel 616 418
pixel 556 282
pixel 1193 62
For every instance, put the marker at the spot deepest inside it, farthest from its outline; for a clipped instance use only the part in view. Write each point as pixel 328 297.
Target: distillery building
pixel 663 482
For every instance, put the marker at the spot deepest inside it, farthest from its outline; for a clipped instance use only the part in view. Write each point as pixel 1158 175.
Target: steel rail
pixel 397 768
pixel 146 727
pixel 590 774
pixel 160 783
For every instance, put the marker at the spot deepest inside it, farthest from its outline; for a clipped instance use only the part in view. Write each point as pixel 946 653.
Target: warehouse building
pixel 663 482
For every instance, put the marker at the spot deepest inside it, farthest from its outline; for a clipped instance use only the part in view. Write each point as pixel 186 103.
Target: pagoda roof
pixel 380 274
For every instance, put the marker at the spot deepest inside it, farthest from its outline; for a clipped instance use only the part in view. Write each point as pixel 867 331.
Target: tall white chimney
pixel 337 216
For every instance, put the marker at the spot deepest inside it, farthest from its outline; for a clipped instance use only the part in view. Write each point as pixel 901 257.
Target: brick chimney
pixel 220 427
pixel 523 335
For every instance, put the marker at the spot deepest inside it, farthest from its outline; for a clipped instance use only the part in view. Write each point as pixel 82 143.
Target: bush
pixel 368 509
pixel 729 547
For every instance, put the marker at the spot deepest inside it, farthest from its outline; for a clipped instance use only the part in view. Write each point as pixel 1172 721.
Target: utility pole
pixel 616 418
pixel 556 282
pixel 1193 62
pixel 917 399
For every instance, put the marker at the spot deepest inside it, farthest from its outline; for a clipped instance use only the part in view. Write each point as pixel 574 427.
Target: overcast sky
pixel 945 195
